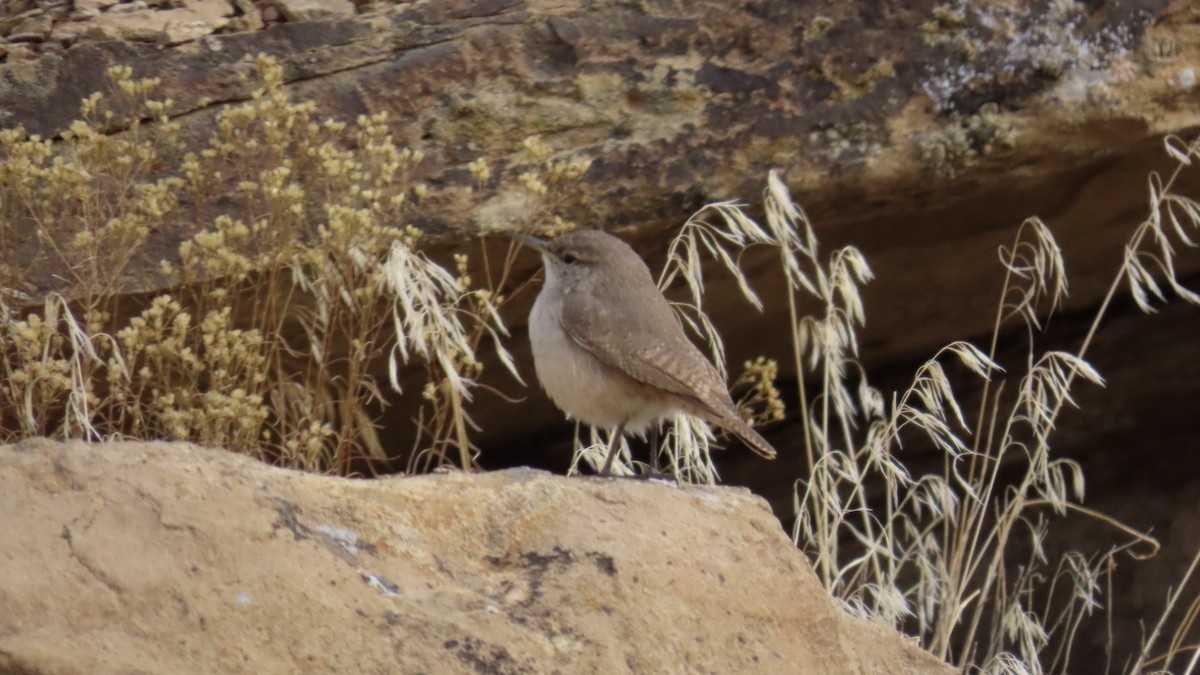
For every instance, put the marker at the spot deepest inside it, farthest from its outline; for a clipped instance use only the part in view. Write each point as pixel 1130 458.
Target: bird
pixel 609 350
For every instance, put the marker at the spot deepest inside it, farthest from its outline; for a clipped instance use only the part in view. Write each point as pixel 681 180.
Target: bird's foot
pixel 654 473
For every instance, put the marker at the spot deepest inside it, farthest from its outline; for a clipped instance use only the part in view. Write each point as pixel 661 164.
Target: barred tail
pixel 752 438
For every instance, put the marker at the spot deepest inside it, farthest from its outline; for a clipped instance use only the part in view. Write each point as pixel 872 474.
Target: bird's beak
pixel 539 245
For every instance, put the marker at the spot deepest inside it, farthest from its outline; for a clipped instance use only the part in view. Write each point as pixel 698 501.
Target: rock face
pixel 921 132
pixel 173 558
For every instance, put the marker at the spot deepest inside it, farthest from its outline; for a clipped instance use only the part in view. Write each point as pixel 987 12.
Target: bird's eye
pixel 570 259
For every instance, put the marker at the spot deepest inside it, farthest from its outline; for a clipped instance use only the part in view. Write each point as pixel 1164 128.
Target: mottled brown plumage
pixel 609 349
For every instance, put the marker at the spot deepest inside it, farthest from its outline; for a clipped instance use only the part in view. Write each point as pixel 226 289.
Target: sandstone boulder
pixel 149 557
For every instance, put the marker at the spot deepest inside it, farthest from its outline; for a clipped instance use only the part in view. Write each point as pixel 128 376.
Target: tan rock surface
pixel 308 10
pixel 173 558
pixel 167 26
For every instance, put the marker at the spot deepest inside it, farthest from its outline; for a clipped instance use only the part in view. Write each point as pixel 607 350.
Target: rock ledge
pixel 174 558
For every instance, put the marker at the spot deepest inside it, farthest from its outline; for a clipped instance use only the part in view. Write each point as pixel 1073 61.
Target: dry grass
pixel 940 555
pixel 294 291
pixel 957 557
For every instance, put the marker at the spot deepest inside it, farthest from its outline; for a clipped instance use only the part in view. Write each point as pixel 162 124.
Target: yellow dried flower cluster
pixel 171 381
pixel 90 200
pixel 282 303
pixel 481 171
pixel 762 402
pixel 551 172
pixel 37 378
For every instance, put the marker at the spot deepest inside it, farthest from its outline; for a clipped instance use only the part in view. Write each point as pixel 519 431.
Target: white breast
pixel 581 385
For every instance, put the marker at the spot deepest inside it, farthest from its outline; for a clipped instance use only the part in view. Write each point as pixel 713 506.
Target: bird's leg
pixel 654 470
pixel 614 442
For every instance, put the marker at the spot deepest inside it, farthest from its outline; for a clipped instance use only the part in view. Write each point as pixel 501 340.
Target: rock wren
pixel 609 350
